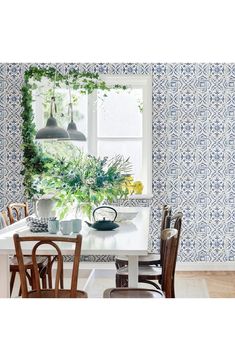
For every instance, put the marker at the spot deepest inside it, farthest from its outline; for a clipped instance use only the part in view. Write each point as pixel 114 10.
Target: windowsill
pixel 141 196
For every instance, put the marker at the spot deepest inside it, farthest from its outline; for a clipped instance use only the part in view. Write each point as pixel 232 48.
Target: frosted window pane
pixel 132 149
pixel 119 114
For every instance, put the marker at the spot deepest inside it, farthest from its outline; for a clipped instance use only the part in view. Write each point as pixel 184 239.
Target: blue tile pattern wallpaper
pixel 193 149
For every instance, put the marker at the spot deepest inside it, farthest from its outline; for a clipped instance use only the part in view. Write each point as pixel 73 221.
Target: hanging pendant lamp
pixel 74 134
pixel 51 130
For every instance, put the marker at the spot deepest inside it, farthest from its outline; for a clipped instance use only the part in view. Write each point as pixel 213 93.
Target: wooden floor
pixel 218 284
pixel 187 285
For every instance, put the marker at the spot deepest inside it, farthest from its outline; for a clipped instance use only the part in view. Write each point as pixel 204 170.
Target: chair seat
pixel 41 261
pixel 143 271
pixel 150 258
pixel 132 293
pixel 49 293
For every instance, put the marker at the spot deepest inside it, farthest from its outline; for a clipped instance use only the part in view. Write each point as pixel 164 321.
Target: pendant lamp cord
pixel 53 103
pixel 70 106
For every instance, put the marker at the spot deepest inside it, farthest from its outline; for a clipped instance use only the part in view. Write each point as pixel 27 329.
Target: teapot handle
pixel 105 207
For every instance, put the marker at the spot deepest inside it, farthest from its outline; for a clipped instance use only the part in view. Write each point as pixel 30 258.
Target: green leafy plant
pixel 35 161
pixel 85 180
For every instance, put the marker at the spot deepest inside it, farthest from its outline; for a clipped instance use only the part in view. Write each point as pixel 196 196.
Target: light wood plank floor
pixel 195 284
pixel 218 284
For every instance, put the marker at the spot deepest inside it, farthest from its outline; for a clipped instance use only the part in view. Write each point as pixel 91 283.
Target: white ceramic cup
pixel 77 225
pixel 66 227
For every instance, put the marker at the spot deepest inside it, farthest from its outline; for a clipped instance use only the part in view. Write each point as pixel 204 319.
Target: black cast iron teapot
pixel 104 224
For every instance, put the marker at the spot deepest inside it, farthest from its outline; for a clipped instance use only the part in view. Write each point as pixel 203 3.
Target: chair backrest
pixel 17 211
pixel 174 221
pixel 37 241
pixel 170 238
pixel 166 213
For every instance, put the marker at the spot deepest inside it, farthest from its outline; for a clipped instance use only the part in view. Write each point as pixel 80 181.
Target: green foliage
pixel 84 180
pixel 35 161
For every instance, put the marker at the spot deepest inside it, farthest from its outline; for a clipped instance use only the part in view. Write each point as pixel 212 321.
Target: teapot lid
pixel 105 220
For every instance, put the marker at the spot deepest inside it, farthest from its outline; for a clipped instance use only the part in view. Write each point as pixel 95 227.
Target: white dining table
pixel 129 239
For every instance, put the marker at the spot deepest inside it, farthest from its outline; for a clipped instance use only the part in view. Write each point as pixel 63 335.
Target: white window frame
pixel 138 81
pixel 141 81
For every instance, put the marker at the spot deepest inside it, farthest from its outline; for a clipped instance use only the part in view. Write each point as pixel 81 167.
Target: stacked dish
pixel 38 224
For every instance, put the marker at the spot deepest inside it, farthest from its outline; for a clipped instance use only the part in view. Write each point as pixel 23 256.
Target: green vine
pixel 34 160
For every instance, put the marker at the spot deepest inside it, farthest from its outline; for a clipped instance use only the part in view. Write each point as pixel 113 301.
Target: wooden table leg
pixel 4 276
pixel 133 271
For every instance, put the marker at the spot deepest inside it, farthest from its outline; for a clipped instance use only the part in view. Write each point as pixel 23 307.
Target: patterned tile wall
pixel 193 149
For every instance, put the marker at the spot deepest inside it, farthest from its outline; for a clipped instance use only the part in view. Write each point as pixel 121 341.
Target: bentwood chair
pixel 17 211
pixel 14 268
pixel 152 274
pixel 151 258
pixel 170 241
pixel 44 292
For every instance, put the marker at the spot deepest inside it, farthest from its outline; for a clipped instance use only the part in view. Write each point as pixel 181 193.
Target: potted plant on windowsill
pixel 84 182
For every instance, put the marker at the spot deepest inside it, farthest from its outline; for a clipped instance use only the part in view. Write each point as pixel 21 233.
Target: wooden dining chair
pixel 132 293
pixel 152 274
pixel 15 212
pixel 14 268
pixel 151 258
pixel 44 292
pixel 170 241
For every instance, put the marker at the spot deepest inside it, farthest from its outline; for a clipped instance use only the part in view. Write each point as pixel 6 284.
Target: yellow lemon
pixel 138 187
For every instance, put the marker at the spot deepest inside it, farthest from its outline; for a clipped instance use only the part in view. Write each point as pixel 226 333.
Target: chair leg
pixel 12 281
pixel 118 281
pixel 62 279
pixel 173 289
pixel 121 281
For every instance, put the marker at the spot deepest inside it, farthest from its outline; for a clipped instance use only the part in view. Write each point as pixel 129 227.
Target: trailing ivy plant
pixel 35 161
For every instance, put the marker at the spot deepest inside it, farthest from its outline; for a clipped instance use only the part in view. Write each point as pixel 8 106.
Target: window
pixel 115 122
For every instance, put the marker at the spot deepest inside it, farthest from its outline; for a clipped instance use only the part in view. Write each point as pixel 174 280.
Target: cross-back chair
pixel 56 292
pixel 152 273
pixel 151 258
pixel 170 239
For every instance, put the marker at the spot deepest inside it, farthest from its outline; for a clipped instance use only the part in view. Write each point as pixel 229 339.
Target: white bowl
pixel 122 216
pixel 125 216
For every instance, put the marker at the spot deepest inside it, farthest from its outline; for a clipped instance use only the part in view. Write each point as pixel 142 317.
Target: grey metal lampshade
pixel 51 130
pixel 74 134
